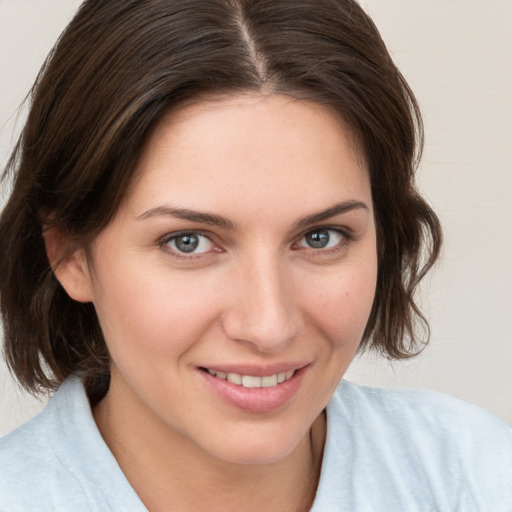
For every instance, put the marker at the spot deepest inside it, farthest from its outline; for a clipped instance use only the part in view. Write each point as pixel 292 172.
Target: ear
pixel 69 265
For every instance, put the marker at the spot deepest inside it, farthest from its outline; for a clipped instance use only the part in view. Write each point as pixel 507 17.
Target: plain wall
pixel 456 55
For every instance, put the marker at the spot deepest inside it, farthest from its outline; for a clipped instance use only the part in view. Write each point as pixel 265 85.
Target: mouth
pixel 252 381
pixel 269 390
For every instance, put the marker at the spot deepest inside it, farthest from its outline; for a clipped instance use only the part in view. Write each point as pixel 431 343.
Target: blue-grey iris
pixel 187 243
pixel 318 239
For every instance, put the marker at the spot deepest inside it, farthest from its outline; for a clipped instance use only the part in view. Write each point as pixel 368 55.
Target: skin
pixel 254 292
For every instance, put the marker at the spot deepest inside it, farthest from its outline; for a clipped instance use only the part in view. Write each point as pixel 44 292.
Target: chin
pixel 257 448
pixel 256 457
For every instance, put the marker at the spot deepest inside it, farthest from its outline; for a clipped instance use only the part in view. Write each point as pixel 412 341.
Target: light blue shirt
pixel 387 451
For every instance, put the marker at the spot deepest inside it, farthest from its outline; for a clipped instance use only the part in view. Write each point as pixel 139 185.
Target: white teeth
pixel 270 381
pixel 250 381
pixel 235 378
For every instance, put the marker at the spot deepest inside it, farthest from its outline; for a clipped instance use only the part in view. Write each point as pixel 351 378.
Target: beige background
pixel 457 56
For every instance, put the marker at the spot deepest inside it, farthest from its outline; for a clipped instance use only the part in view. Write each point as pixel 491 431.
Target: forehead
pixel 261 146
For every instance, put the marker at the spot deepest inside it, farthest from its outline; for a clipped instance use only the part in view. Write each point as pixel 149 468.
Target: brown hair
pixel 116 70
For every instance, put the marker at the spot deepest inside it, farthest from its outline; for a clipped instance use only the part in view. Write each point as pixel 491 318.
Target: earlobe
pixel 69 265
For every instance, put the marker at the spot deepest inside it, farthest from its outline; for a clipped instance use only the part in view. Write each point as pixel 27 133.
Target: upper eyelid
pixel 175 234
pixel 345 231
pixel 209 234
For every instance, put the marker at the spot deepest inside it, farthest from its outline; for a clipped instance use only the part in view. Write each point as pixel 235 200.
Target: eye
pixel 325 238
pixel 189 243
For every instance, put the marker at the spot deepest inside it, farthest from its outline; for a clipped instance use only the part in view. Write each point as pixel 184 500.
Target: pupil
pixel 318 239
pixel 187 243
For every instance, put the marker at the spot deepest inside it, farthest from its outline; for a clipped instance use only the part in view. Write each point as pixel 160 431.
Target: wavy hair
pixel 115 71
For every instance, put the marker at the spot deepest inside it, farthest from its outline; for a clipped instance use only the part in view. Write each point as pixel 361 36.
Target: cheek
pixel 341 303
pixel 152 312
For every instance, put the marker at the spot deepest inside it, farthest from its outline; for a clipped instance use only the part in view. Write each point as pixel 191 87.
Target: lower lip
pixel 256 400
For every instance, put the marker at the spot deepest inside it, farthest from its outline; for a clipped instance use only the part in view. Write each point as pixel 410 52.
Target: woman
pixel 213 211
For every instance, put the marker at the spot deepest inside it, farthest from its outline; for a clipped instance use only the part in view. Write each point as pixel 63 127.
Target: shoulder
pixel 59 462
pixel 427 413
pixel 420 445
pixel 37 470
pixel 29 460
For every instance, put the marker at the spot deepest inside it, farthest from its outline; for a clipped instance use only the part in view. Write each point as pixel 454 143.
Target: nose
pixel 263 311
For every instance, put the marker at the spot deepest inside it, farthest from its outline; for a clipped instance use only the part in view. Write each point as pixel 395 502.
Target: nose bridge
pixel 264 312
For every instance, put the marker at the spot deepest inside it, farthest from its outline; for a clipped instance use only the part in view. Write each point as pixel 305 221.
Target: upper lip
pixel 256 370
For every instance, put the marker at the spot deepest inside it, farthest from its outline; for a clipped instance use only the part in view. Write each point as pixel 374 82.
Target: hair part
pixel 115 71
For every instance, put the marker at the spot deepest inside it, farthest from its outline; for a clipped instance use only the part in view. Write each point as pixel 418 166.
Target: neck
pixel 169 472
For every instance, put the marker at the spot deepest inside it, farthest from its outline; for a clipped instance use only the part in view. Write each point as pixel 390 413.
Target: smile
pixel 255 389
pixel 251 381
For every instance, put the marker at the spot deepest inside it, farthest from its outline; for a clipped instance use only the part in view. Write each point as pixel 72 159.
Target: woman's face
pixel 235 282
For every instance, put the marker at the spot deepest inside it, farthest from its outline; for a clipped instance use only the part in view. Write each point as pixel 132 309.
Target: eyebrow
pixel 337 209
pixel 224 223
pixel 191 215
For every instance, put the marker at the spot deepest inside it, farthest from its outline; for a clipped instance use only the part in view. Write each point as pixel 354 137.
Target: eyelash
pixel 163 243
pixel 347 237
